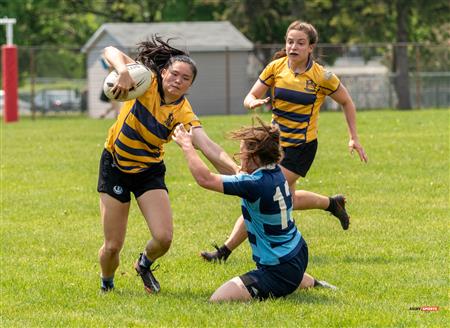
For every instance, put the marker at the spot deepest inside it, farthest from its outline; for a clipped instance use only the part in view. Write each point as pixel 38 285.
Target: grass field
pixel 393 258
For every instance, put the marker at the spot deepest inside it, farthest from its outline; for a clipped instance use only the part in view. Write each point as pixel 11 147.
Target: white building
pixel 367 81
pixel 219 49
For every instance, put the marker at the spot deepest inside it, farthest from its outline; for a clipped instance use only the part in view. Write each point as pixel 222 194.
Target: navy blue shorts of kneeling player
pixel 119 185
pixel 277 280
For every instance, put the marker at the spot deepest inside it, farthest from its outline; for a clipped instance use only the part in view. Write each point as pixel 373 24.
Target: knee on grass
pixel 232 290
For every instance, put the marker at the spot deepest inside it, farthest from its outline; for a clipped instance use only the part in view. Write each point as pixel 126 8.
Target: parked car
pixel 57 100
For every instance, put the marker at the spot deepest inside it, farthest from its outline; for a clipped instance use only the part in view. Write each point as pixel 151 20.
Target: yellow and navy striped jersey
pixel 144 125
pixel 296 98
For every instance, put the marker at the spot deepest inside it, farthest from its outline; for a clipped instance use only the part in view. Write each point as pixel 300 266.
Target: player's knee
pixel 214 298
pixel 112 248
pixel 164 239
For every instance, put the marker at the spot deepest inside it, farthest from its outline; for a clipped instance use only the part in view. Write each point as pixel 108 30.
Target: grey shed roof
pixel 193 36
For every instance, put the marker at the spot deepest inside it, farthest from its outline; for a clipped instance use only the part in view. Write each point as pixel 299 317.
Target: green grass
pixel 395 255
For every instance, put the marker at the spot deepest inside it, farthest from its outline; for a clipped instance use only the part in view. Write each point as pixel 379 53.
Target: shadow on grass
pixel 298 297
pixel 309 297
pixel 164 294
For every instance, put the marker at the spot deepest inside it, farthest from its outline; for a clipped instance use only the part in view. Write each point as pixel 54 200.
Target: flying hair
pixel 261 142
pixel 157 54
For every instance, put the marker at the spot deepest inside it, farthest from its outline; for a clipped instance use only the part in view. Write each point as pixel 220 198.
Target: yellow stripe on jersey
pixel 143 127
pixel 297 98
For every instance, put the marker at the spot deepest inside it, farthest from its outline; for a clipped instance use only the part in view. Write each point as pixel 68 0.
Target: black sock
pixel 144 261
pixel 108 283
pixel 225 250
pixel 332 206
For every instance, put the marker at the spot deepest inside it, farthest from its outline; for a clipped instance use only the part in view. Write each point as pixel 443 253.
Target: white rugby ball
pixel 141 75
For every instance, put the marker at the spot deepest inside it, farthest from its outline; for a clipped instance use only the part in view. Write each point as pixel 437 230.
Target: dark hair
pixel 158 54
pixel 308 29
pixel 261 141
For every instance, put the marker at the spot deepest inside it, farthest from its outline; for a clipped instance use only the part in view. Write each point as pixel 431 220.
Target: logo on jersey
pixel 310 86
pixel 169 120
pixel 328 75
pixel 118 190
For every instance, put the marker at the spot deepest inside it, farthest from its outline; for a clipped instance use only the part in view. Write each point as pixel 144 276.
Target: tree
pixel 397 22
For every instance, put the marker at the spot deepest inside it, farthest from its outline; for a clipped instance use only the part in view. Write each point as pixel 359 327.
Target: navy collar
pixel 308 65
pixel 176 102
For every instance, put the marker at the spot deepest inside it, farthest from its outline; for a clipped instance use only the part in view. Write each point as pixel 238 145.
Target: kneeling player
pixel 278 248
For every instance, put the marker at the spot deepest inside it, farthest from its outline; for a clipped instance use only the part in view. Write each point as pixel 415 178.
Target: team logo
pixel 310 86
pixel 118 190
pixel 328 75
pixel 169 120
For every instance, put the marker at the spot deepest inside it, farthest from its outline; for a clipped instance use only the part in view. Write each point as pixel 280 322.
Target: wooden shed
pixel 219 49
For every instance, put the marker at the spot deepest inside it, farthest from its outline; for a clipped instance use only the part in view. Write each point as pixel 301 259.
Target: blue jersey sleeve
pixel 243 185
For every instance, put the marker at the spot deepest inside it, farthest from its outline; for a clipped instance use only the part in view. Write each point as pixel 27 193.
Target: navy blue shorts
pixel 277 280
pixel 299 159
pixel 119 185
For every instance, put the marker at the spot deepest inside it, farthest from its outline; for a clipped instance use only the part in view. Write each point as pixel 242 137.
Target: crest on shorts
pixel 118 190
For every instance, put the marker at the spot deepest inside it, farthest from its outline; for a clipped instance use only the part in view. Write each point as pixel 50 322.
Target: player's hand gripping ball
pixel 141 75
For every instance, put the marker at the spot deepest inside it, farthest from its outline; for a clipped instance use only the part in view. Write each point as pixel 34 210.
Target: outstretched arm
pixel 213 152
pixel 342 97
pixel 199 170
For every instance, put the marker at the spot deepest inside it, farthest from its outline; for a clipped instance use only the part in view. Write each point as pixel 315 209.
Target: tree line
pixel 68 24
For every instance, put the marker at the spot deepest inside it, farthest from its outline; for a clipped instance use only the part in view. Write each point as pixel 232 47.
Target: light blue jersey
pixel 267 210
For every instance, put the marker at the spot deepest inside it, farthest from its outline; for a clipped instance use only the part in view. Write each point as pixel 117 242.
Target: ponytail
pixel 157 54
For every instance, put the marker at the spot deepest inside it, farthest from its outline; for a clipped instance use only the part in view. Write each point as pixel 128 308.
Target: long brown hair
pixel 308 29
pixel 262 142
pixel 158 54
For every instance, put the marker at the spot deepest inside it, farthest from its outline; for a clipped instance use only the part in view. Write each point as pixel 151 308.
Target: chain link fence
pixel 53 80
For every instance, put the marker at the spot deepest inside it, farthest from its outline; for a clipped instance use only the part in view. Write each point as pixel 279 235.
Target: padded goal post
pixel 9 73
pixel 9 82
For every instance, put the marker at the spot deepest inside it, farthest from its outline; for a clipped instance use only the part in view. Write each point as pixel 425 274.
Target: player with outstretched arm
pixel 278 248
pixel 298 87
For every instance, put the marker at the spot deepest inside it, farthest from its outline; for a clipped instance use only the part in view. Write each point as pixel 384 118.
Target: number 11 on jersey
pixel 278 197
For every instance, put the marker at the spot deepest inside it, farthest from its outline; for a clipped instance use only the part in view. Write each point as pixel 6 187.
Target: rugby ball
pixel 141 75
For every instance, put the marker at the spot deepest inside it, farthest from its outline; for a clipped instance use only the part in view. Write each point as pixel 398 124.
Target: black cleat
pixel 151 285
pixel 220 254
pixel 105 290
pixel 340 212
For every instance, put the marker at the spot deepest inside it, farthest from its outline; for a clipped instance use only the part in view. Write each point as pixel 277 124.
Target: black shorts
pixel 119 184
pixel 299 159
pixel 277 280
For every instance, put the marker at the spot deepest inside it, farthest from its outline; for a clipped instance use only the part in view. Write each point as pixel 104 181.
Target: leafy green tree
pixel 351 22
pixel 63 26
pixel 397 22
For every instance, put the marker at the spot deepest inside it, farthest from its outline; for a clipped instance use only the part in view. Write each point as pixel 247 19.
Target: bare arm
pixel 213 152
pixel 253 98
pixel 342 97
pixel 118 60
pixel 199 170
